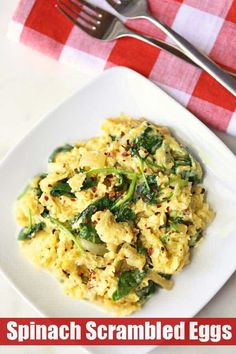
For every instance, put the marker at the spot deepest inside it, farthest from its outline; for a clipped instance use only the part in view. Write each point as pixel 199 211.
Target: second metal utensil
pixel 102 25
pixel 138 9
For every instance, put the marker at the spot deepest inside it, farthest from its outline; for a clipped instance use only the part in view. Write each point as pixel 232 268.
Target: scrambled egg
pixel 115 217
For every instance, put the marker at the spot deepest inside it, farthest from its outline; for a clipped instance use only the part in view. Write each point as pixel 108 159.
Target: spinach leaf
pixel 30 232
pixel 164 238
pixel 141 249
pixel 154 164
pixel 45 213
pixel 86 229
pixel 38 190
pixel 62 188
pixel 119 209
pixel 127 197
pixel 178 220
pixel 195 239
pixel 148 195
pixel 113 137
pixel 182 160
pixel 89 233
pixel 98 205
pixel 147 291
pixel 166 276
pixel 123 184
pixel 89 182
pixel 191 176
pixel 149 140
pixel 124 214
pixel 64 148
pixel 23 193
pixel 128 281
pixel 68 233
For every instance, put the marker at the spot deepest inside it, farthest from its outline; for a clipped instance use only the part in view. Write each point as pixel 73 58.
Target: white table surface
pixel 30 85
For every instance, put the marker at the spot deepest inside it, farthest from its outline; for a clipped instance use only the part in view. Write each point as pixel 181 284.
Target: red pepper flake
pixel 168 209
pixel 111 154
pixel 125 153
pixel 73 199
pixel 92 273
pixel 158 205
pixel 95 222
pixel 162 249
pixel 122 134
pixel 94 189
pixel 46 198
pixel 49 185
pixel 150 251
pixel 112 194
pixel 128 143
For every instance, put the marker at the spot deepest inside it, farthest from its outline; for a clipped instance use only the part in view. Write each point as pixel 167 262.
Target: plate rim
pixel 123 71
pixel 118 71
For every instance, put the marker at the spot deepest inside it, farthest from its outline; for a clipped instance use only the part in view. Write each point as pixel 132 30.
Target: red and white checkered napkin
pixel 209 24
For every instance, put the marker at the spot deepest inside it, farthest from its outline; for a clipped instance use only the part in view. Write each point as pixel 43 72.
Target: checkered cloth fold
pixel 210 25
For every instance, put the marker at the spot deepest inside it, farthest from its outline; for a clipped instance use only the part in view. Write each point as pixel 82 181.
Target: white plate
pixel 122 90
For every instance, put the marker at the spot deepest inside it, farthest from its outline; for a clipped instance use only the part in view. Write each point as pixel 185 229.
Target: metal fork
pixel 138 9
pixel 102 25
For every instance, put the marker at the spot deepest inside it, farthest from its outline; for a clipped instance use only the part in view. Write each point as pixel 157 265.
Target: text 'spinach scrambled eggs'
pixel 116 216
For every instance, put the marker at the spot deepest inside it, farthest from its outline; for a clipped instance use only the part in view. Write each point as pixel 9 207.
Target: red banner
pixel 117 331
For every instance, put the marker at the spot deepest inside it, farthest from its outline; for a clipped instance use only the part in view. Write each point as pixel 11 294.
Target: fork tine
pixel 72 19
pixel 90 6
pixel 78 14
pixel 114 3
pixel 94 15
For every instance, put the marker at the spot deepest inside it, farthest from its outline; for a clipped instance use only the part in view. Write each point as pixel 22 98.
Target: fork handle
pixel 169 48
pixel 196 56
